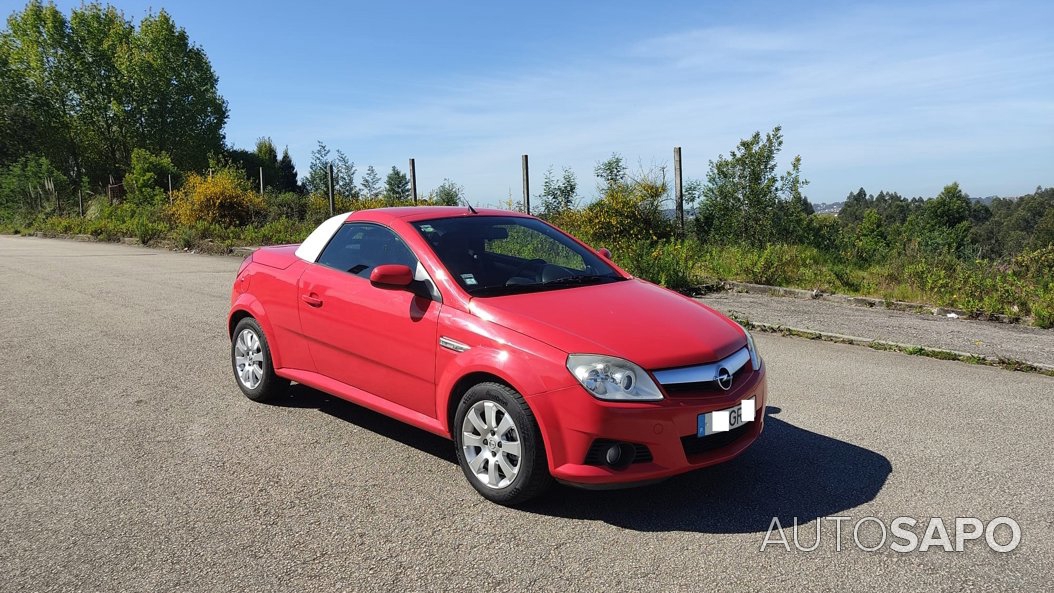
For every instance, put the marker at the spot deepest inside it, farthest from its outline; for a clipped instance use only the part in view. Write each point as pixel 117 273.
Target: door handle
pixel 312 300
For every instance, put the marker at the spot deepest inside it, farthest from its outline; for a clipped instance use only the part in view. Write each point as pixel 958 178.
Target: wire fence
pixel 117 191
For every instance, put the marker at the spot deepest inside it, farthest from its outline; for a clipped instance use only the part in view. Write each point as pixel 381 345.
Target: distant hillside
pixel 832 208
pixel 836 207
pixel 822 207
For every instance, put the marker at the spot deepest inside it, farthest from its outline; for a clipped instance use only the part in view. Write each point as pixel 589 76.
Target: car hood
pixel 632 319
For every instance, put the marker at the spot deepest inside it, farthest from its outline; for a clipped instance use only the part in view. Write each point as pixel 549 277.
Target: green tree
pixel 868 242
pixel 175 105
pixel 693 191
pixel 1044 233
pixel 268 157
pixel 371 183
pixel 287 177
pixel 19 132
pixel 1014 225
pixel 34 51
pixel 317 181
pixel 147 179
pixel 745 201
pixel 246 161
pixel 447 194
pixel 793 209
pixel 100 41
pixel 558 195
pixel 948 209
pixel 265 150
pixel 893 208
pixel 942 225
pixel 854 207
pixel 344 171
pixel 396 186
pixel 86 90
pixel 31 185
pixel 611 172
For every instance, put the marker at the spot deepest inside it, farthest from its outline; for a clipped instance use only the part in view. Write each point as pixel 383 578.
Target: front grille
pixel 707 388
pixel 694 445
pixel 700 381
pixel 595 455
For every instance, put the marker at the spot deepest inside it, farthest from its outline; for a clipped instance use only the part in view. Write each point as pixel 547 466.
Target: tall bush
pixel 32 184
pixel 147 180
pixel 226 197
pixel 627 212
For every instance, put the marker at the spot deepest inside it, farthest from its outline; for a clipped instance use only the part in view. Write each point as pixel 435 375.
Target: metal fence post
pixel 261 181
pixel 332 204
pixel 413 181
pixel 678 187
pixel 526 187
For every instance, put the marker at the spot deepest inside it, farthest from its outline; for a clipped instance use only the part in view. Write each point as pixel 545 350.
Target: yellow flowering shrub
pixel 626 213
pixel 226 197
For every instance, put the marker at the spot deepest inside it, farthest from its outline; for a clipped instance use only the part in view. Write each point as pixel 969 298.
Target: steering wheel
pixel 523 267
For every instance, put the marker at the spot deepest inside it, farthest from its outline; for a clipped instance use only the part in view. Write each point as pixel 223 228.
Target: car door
pixel 380 340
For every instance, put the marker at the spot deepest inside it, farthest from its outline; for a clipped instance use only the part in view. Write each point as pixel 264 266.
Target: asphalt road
pixel 130 461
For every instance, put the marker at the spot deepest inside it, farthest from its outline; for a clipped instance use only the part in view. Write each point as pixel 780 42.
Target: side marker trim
pixel 452 344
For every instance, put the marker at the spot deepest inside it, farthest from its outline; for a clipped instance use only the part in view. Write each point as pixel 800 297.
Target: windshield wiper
pixel 578 279
pixel 507 289
pixel 498 289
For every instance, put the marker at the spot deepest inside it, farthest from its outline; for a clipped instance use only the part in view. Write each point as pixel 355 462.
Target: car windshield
pixel 501 255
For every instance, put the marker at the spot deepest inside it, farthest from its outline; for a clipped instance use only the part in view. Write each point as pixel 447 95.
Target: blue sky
pixel 901 96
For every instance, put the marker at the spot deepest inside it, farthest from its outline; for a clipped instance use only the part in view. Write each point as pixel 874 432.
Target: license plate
pixel 736 416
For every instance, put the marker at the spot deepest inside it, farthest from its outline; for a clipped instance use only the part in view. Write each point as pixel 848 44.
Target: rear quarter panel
pixel 271 298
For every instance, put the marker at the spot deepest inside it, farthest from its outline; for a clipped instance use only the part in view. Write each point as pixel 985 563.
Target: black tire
pixel 271 386
pixel 532 478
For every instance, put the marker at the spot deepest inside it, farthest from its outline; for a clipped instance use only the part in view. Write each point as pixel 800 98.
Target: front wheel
pixel 499 445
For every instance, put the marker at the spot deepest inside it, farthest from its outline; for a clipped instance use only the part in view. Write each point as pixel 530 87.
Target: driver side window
pixel 358 247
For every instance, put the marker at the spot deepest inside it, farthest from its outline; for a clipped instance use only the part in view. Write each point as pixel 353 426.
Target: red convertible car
pixel 539 357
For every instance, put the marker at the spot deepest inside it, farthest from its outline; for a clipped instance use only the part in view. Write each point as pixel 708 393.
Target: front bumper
pixel 571 420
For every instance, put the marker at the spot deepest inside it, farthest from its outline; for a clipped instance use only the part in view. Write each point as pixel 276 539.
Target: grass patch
pixel 1018 287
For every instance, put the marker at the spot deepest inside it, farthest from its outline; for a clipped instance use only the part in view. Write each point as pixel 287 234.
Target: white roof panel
pixel 312 247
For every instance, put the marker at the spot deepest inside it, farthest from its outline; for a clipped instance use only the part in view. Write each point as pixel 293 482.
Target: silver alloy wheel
pixel 248 359
pixel 491 444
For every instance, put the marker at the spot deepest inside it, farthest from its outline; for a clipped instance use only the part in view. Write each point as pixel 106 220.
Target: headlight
pixel 612 379
pixel 755 358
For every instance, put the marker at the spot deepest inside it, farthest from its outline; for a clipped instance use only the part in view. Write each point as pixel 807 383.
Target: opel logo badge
pixel 724 379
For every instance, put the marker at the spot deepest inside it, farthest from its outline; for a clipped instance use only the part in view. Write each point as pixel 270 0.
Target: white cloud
pixel 874 96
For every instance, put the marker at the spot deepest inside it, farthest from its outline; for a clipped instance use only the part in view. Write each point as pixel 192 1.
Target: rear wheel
pixel 499 445
pixel 251 361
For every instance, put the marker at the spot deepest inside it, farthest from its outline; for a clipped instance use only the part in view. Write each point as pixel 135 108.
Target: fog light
pixel 619 455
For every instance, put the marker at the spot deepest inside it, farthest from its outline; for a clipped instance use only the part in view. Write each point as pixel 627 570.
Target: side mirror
pixel 392 275
pixel 605 252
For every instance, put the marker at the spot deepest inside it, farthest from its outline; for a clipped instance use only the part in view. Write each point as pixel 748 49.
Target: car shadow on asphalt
pixel 301 396
pixel 789 472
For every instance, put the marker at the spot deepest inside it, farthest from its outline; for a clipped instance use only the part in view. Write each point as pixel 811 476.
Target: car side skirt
pixel 364 399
